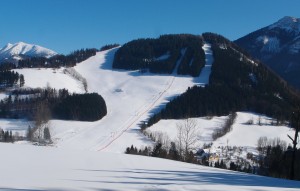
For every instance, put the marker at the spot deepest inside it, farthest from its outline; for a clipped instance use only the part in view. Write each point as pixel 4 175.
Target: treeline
pixel 6 136
pixel 222 42
pixel 5 66
pixel 25 103
pixel 108 46
pixel 82 107
pixel 235 84
pixel 226 128
pixel 173 154
pixel 57 61
pixel 161 55
pixel 275 159
pixel 10 78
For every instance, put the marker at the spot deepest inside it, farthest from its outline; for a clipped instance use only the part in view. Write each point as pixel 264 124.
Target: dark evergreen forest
pixel 82 107
pixel 235 84
pixel 23 103
pixel 59 60
pixel 161 55
pixel 10 78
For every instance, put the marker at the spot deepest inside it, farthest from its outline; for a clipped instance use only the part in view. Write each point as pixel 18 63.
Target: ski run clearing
pixel 88 155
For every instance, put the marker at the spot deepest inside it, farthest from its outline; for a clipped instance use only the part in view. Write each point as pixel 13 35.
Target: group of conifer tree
pixel 57 61
pixel 235 84
pixel 60 103
pixel 144 54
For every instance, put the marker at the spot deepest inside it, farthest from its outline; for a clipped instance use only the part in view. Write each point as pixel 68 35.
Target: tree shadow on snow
pixel 170 177
pixel 21 189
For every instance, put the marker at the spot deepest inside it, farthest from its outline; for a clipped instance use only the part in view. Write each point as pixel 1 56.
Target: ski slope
pixel 130 96
pixel 59 169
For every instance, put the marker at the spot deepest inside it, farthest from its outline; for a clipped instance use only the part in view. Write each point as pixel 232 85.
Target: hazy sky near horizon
pixel 67 25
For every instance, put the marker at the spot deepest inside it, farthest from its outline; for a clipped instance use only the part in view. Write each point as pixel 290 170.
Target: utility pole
pixel 295 124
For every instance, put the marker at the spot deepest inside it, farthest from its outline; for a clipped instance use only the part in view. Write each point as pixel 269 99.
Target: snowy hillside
pixel 236 137
pixel 87 155
pixel 130 96
pixel 55 78
pixel 17 50
pixel 46 168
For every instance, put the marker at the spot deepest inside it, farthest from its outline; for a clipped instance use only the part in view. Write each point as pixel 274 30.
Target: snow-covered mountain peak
pixel 290 24
pixel 22 48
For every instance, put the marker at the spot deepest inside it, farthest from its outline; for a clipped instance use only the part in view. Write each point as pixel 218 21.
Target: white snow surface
pixel 33 168
pixel 163 57
pixel 241 135
pixel 2 96
pixel 55 78
pixel 11 50
pixel 15 125
pixel 130 96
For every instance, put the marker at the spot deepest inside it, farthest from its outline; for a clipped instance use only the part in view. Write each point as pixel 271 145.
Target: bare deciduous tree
pixel 77 76
pixel 296 125
pixel 262 143
pixel 187 136
pixel 41 118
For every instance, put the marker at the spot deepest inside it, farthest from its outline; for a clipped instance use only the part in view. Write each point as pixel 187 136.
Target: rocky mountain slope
pixel 278 46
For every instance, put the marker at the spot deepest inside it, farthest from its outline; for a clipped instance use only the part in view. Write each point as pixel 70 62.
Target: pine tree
pixel 47 135
pixel 22 80
pixel 29 135
pixel 127 150
pixel 157 150
pixel 173 152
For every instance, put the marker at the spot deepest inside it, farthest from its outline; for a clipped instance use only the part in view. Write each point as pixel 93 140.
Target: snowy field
pixel 55 78
pixel 33 168
pixel 2 96
pixel 241 135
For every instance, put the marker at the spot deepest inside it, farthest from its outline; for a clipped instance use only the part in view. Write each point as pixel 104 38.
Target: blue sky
pixel 66 25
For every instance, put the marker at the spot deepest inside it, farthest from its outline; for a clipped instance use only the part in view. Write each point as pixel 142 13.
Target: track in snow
pixel 203 79
pixel 138 117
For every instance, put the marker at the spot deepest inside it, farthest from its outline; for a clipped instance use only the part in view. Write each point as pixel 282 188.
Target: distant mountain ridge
pixel 18 51
pixel 278 46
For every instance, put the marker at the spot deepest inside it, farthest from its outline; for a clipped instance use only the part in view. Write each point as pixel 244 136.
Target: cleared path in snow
pixel 203 78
